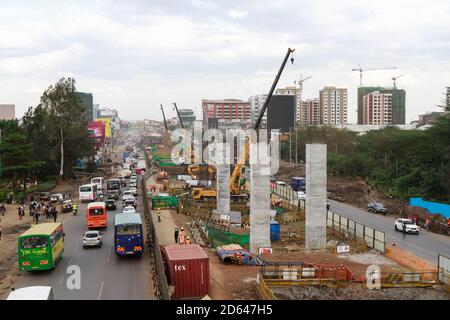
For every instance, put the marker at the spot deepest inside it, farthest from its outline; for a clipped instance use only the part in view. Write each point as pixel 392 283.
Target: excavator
pixel 237 181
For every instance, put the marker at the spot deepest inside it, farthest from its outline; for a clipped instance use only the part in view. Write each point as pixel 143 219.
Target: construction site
pixel 265 242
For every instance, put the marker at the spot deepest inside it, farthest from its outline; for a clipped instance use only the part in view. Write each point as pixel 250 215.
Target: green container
pixel 164 202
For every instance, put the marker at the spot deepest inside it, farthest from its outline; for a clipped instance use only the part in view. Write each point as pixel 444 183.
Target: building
pixel 281 113
pixel 7 111
pixel 188 117
pixel 310 112
pixel 95 111
pixel 377 108
pixel 333 105
pixel 256 104
pixel 292 91
pixel 427 118
pixel 234 112
pixel 398 102
pixel 87 101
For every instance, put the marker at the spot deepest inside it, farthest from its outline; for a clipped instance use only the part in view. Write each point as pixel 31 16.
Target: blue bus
pixel 128 234
pixel 298 183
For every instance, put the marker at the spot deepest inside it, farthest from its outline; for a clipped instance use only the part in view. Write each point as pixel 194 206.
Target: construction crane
pixel 236 176
pixel 361 70
pixel 300 85
pixel 166 134
pixel 395 80
pixel 178 114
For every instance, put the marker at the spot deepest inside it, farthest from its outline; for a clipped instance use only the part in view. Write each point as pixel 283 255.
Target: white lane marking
pixel 109 256
pixel 61 280
pixel 101 291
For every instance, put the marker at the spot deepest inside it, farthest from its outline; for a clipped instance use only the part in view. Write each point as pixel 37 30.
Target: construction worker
pixel 188 240
pixel 181 236
pixel 175 234
pixel 159 215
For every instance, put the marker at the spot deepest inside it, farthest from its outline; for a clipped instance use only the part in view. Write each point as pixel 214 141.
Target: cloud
pixel 237 13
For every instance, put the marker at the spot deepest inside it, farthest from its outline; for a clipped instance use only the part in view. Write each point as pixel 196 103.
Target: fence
pixel 285 192
pixel 444 269
pixel 354 230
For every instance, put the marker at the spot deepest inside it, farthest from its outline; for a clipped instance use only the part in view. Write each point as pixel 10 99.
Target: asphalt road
pixel 426 245
pixel 103 274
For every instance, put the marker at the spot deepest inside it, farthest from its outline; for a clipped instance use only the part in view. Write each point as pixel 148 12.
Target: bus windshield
pixel 126 229
pixel 34 242
pixel 113 185
pixel 96 212
pixel 85 189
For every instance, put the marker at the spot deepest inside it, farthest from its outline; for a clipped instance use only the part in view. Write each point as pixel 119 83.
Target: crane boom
pixel 237 171
pixel 178 114
pixel 164 117
pixel 360 70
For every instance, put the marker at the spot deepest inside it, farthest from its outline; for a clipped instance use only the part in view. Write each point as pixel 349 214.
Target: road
pixel 426 245
pixel 104 276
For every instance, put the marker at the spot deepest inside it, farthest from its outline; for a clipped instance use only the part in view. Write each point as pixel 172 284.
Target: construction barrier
pixel 264 292
pixel 305 271
pixel 218 237
pixel 164 202
pixel 354 230
pixel 444 270
pixel 408 259
pixel 285 192
pixel 407 279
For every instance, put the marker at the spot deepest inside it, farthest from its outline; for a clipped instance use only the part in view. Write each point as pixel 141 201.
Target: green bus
pixel 41 247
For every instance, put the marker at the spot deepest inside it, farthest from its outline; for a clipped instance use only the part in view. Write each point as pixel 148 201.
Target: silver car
pixel 92 238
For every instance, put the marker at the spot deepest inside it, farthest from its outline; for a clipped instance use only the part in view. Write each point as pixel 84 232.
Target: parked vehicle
pixel 111 204
pixel 406 225
pixel 92 238
pixel 376 207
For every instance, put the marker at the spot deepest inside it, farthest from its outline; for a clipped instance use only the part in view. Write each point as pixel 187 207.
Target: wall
pixel 433 207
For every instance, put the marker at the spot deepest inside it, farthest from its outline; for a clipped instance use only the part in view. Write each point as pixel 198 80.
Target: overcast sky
pixel 133 55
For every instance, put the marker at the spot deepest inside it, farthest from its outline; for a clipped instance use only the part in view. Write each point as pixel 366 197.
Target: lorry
pixel 298 183
pixel 113 189
pixel 205 194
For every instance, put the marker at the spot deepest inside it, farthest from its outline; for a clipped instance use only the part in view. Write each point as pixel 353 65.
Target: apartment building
pixel 309 112
pixel 377 108
pixel 333 105
pixel 233 111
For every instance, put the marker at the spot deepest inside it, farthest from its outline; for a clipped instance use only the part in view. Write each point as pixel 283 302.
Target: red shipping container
pixel 187 268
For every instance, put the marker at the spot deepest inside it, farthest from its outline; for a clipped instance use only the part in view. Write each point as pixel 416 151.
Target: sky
pixel 135 55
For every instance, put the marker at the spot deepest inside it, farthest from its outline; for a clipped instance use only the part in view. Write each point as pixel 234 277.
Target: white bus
pixel 32 293
pixel 87 192
pixel 99 181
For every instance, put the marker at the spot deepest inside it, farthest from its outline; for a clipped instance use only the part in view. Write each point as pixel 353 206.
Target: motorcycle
pixel 75 211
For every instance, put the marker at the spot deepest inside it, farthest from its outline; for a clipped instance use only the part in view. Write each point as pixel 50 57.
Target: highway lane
pixel 426 245
pixel 103 274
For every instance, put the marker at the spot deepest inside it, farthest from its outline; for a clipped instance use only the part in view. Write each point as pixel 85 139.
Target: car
pixel 92 238
pixel 129 209
pixel 130 202
pixel 141 158
pixel 301 195
pixel 134 190
pixel 110 204
pixel 67 206
pixel 44 196
pixel 406 225
pixel 133 179
pixel 57 197
pixel 273 179
pixel 376 207
pixel 281 183
pixel 127 193
pixel 132 184
pixel 123 181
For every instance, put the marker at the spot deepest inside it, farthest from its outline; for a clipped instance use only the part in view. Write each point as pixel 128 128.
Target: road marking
pixel 61 280
pixel 109 256
pixel 101 291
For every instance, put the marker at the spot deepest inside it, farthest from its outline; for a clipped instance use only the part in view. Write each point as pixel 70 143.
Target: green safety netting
pixel 219 238
pixel 164 202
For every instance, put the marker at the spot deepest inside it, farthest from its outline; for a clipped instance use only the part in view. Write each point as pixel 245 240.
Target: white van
pixel 99 181
pixel 32 293
pixel 87 192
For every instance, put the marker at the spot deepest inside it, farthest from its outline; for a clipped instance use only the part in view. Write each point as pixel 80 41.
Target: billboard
pixel 97 131
pixel 107 122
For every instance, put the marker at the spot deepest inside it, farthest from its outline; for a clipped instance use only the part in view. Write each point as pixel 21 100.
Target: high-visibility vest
pixel 188 241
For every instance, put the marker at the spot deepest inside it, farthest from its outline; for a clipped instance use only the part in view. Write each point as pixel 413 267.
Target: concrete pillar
pixel 259 208
pixel 316 196
pixel 223 188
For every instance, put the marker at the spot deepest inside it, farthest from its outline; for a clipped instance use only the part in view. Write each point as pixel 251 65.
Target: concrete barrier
pixel 408 259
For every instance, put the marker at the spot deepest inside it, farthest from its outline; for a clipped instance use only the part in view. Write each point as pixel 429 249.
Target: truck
pixel 205 194
pixel 113 189
pixel 298 183
pixel 125 173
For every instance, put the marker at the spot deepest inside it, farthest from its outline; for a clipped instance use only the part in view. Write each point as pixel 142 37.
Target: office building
pixel 7 111
pixel 377 108
pixel 87 102
pixel 256 104
pixel 398 102
pixel 281 113
pixel 333 105
pixel 234 112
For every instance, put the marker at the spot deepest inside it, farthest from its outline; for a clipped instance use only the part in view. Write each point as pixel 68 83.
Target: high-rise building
pixel 231 112
pixel 281 113
pixel 333 106
pixel 398 102
pixel 188 117
pixel 7 111
pixel 292 91
pixel 310 112
pixel 87 101
pixel 256 104
pixel 377 108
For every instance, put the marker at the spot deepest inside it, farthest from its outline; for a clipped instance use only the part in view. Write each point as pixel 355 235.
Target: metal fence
pixel 354 230
pixel 444 269
pixel 285 192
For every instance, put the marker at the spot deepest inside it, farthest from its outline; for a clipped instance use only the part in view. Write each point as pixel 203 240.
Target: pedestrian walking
pixel 427 223
pixel 181 236
pixel 19 211
pixel 36 217
pixel 2 209
pixel 55 214
pixel 159 215
pixel 175 234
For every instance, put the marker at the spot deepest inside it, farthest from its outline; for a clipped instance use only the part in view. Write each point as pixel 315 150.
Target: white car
pixel 406 225
pixel 133 176
pixel 301 195
pixel 281 183
pixel 127 194
pixel 92 238
pixel 57 197
pixel 129 209
pixel 134 190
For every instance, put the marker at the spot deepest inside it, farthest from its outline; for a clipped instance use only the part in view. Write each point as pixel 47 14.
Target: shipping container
pixel 187 269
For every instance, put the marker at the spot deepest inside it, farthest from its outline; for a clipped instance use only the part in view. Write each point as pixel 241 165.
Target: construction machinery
pixel 395 80
pixel 166 139
pixel 361 70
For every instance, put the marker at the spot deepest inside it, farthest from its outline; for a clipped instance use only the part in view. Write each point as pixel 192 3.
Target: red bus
pixel 96 215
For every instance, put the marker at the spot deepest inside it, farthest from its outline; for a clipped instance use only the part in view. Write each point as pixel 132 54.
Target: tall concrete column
pixel 259 208
pixel 223 188
pixel 316 196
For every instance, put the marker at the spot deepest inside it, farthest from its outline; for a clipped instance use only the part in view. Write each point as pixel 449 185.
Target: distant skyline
pixel 134 55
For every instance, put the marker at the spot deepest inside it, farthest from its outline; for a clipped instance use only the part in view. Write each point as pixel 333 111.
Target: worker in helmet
pixel 159 215
pixel 181 236
pixel 188 240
